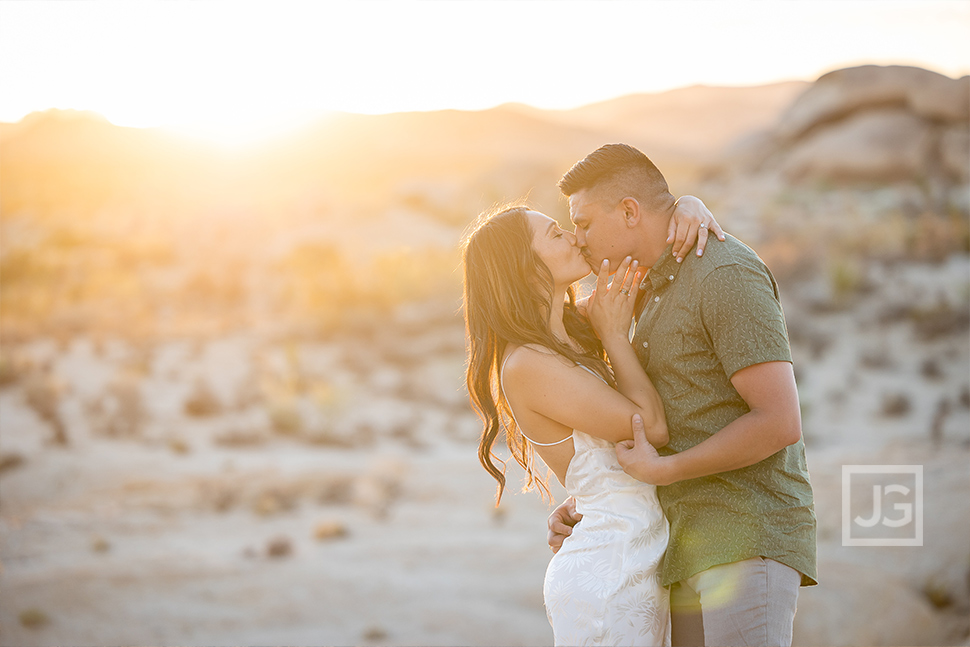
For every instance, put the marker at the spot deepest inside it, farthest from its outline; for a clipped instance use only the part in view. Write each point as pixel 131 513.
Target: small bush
pixel 202 402
pixel 895 405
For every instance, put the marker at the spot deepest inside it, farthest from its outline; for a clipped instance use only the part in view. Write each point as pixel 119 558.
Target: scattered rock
pixel 374 633
pixel 11 370
pixel 336 490
pixel 850 605
pixel 895 405
pixel 272 502
pixel 42 394
pixel 875 359
pixel 285 417
pixel 380 487
pixel 179 446
pixel 33 618
pixel 10 460
pixel 241 438
pixel 223 500
pixel 941 321
pixel 330 530
pixel 125 409
pixel 930 369
pixel 939 419
pixel 279 547
pixel 937 593
pixel 202 402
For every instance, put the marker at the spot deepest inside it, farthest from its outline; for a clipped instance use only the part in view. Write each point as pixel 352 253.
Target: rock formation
pixel 870 124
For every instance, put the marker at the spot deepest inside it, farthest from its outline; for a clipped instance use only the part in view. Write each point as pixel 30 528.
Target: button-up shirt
pixel 701 321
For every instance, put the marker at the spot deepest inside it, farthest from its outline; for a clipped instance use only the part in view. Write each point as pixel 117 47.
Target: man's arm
pixel 773 423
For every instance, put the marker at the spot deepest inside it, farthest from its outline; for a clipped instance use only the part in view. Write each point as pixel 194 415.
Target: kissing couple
pixel 665 403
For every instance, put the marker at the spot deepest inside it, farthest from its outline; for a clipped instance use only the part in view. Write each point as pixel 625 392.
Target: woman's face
pixel 557 249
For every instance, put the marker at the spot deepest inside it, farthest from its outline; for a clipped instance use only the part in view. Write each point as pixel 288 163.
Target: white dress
pixel 603 586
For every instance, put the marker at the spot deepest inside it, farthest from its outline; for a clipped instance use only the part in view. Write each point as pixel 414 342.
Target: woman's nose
pixel 573 240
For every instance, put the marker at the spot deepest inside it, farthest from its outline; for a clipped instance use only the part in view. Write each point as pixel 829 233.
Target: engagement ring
pixel 703 225
pixel 624 291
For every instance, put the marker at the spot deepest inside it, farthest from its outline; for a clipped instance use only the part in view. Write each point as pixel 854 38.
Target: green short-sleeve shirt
pixel 702 321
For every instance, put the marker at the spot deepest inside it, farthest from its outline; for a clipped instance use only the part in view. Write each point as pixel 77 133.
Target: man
pixel 733 480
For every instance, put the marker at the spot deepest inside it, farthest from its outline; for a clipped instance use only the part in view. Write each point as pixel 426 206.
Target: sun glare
pixel 239 73
pixel 242 131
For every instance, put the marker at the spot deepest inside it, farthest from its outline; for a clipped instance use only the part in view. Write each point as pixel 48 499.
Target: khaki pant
pixel 751 603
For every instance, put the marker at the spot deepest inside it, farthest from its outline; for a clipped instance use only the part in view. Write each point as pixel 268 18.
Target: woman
pixel 537 369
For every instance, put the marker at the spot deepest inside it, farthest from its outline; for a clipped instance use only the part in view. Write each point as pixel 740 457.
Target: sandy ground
pixel 168 536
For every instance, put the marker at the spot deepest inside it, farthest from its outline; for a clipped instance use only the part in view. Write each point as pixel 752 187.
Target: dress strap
pixel 501 384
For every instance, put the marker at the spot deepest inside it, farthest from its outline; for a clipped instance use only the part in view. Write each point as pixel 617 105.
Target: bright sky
pixel 241 70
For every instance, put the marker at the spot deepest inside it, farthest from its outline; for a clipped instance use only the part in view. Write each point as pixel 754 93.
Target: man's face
pixel 601 231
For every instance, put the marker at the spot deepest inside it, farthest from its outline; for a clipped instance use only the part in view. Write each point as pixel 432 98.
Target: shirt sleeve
pixel 742 315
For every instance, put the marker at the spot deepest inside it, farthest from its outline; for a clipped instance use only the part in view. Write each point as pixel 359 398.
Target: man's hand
pixel 691 221
pixel 640 459
pixel 561 523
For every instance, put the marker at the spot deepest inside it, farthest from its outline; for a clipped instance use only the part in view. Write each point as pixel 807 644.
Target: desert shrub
pixel 42 394
pixel 10 460
pixel 895 405
pixel 241 438
pixel 875 359
pixel 12 369
pixel 124 408
pixel 279 547
pixel 930 369
pixel 942 320
pixel 202 402
pixel 284 416
pixel 33 618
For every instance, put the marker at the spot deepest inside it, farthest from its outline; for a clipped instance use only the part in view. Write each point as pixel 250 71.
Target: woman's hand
pixel 690 222
pixel 610 307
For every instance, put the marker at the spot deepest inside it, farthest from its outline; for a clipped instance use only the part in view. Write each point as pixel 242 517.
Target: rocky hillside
pixel 869 123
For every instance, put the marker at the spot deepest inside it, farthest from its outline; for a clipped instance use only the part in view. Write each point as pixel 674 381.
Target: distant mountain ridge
pixel 448 161
pixel 698 120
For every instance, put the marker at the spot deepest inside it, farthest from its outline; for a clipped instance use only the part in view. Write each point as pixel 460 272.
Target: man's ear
pixel 631 212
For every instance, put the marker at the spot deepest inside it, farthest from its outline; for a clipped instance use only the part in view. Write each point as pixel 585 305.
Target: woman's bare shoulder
pixel 530 360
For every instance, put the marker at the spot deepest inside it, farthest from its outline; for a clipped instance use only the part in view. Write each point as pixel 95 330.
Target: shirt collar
pixel 663 272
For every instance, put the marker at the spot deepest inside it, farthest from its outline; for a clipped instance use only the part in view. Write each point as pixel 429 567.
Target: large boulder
pixel 858 605
pixel 883 145
pixel 838 94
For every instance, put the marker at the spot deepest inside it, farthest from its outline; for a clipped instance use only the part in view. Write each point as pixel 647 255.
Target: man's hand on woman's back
pixel 561 523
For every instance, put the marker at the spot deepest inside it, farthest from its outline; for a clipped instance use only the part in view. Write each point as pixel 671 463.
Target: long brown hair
pixel 508 291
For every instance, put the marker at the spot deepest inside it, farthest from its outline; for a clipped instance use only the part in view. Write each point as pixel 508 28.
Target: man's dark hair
pixel 616 171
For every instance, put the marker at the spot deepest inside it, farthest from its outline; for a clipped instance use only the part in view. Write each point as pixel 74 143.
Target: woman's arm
pixel 610 311
pixel 554 390
pixel 691 221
